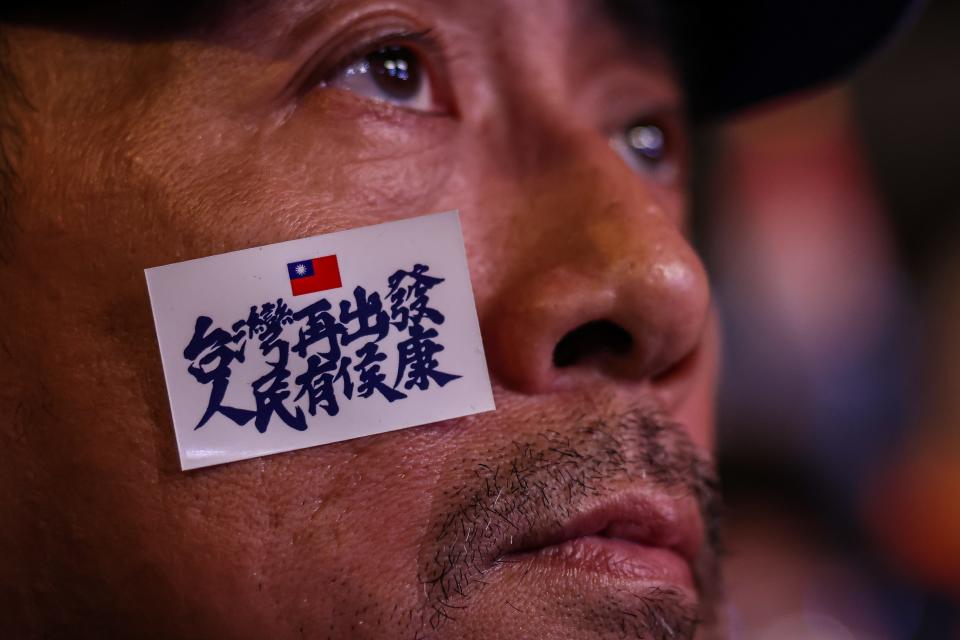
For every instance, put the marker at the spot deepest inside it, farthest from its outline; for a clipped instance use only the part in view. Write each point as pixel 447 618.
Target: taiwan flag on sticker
pixel 390 340
pixel 316 274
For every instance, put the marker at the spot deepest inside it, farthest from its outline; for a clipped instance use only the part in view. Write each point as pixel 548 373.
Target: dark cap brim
pixel 737 54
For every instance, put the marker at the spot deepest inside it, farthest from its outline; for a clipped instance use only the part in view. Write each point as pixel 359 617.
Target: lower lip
pixel 618 559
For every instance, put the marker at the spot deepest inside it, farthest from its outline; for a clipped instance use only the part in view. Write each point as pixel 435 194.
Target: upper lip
pixel 640 517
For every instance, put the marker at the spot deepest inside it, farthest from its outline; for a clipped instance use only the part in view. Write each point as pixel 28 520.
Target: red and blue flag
pixel 315 274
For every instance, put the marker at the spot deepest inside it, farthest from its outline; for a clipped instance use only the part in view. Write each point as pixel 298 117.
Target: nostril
pixel 590 340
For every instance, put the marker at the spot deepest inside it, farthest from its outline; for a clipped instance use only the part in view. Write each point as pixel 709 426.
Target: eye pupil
pixel 647 140
pixel 396 70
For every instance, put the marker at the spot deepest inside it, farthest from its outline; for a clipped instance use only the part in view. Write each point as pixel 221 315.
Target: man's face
pixel 580 508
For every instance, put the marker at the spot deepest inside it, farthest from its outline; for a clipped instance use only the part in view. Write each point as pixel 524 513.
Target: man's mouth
pixel 633 535
pixel 611 521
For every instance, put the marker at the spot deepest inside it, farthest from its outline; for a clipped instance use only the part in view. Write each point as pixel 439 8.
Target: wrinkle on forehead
pixel 255 23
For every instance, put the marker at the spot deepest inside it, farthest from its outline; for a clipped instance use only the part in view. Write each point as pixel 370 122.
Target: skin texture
pixel 145 151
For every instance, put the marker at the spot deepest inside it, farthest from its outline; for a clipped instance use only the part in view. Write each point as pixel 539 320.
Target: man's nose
pixel 600 283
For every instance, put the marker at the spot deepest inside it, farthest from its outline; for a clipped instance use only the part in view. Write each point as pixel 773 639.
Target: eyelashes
pixel 401 68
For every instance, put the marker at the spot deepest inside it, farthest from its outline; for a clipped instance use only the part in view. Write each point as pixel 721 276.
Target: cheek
pixel 697 409
pixel 330 162
pixel 88 349
pixel 345 523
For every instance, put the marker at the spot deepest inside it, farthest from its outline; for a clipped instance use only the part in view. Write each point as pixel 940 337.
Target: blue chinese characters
pixel 337 353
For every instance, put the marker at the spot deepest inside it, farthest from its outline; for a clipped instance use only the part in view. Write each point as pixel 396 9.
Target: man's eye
pixel 392 74
pixel 645 148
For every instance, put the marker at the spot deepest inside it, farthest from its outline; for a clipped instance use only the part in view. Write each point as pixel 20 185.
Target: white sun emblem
pixel 300 269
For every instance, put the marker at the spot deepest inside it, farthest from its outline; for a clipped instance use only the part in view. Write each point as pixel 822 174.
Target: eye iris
pixel 396 70
pixel 647 140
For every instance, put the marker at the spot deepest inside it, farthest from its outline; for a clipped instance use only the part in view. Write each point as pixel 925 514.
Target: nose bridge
pixel 614 258
pixel 559 159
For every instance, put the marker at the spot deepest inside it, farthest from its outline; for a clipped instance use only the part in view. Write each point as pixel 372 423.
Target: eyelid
pixel 326 64
pixel 331 37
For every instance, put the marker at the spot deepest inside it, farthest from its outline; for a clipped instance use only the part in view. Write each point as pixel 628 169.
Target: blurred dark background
pixel 829 222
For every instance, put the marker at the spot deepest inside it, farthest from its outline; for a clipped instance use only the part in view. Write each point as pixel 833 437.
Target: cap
pixel 736 54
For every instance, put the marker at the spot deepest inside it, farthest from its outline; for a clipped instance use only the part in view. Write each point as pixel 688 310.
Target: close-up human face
pixel 582 507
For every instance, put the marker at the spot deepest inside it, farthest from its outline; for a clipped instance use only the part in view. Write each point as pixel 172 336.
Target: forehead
pixel 579 43
pixel 637 24
pixel 536 42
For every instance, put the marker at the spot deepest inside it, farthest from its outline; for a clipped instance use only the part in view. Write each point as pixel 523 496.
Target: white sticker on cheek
pixel 319 340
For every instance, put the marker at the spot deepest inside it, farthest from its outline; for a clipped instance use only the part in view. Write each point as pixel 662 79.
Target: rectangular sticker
pixel 319 340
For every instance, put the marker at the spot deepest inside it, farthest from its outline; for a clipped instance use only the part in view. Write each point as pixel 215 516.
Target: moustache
pixel 518 497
